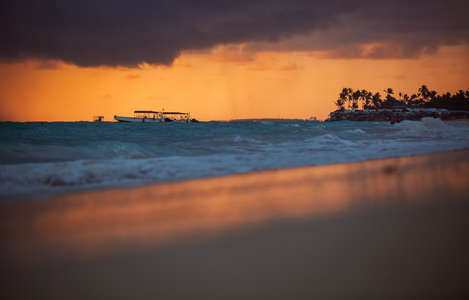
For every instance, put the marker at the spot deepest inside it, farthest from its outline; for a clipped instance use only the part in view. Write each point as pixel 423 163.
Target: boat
pixel 98 119
pixel 150 116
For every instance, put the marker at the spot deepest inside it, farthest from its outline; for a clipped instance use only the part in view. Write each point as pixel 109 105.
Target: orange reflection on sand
pixel 113 221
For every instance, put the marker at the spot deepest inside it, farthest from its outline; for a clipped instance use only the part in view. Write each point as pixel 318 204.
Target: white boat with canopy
pixel 150 116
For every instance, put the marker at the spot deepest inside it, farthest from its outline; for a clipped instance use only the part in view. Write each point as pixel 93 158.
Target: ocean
pixel 40 160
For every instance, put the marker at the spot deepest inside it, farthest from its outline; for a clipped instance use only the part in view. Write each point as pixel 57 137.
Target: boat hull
pixel 137 120
pixel 148 120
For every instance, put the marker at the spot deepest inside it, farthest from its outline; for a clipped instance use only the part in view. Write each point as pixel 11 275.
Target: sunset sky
pixel 220 60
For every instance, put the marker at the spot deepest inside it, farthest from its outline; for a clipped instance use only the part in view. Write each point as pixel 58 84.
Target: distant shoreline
pixel 397 115
pixel 267 120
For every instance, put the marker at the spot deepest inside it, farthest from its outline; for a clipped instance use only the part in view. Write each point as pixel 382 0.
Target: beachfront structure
pixel 414 114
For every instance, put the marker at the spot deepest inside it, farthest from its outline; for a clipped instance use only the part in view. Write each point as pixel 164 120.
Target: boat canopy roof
pixel 174 113
pixel 146 112
pixel 159 112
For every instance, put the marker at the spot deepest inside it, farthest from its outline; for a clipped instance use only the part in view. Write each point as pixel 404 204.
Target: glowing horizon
pixel 72 60
pixel 223 84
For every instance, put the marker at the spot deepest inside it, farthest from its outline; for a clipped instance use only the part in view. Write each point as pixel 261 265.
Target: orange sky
pixel 221 84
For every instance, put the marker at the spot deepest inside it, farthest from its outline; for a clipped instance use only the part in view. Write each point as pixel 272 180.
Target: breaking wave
pixel 40 160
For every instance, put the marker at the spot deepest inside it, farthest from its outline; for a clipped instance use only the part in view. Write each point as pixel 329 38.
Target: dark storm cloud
pixel 127 33
pixel 386 29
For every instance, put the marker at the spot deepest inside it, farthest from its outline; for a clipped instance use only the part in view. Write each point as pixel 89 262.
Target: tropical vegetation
pixel 424 98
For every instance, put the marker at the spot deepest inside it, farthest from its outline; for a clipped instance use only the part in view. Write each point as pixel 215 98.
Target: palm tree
pixel 346 95
pixel 343 96
pixel 350 98
pixel 356 96
pixel 424 93
pixel 460 94
pixel 406 99
pixel 376 99
pixel 366 99
pixel 389 102
pixel 413 100
pixel 389 91
pixel 340 104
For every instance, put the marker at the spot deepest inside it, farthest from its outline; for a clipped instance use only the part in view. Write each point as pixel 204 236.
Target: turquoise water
pixel 44 159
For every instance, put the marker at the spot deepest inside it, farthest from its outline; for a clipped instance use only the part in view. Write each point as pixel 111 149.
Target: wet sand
pixel 383 229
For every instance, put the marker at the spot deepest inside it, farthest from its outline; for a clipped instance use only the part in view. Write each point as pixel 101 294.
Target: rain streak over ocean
pixel 40 160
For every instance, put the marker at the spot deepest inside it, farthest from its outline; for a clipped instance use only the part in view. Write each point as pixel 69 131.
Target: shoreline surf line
pixel 398 224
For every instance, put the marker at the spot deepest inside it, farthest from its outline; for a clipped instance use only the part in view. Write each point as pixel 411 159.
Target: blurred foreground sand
pixel 383 229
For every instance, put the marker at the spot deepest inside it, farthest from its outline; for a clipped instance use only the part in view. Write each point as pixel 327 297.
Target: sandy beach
pixel 380 229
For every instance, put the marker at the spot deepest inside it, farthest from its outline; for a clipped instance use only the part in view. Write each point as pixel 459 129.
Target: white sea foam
pixel 331 139
pixel 241 139
pixel 358 131
pixel 428 127
pixel 61 160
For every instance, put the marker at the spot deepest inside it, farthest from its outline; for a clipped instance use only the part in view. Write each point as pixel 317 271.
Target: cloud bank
pixel 128 33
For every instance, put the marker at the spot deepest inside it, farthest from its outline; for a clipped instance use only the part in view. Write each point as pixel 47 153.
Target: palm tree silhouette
pixel 356 96
pixel 413 100
pixel 366 98
pixel 424 94
pixel 389 102
pixel 389 91
pixel 340 103
pixel 377 100
pixel 346 95
pixel 406 99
